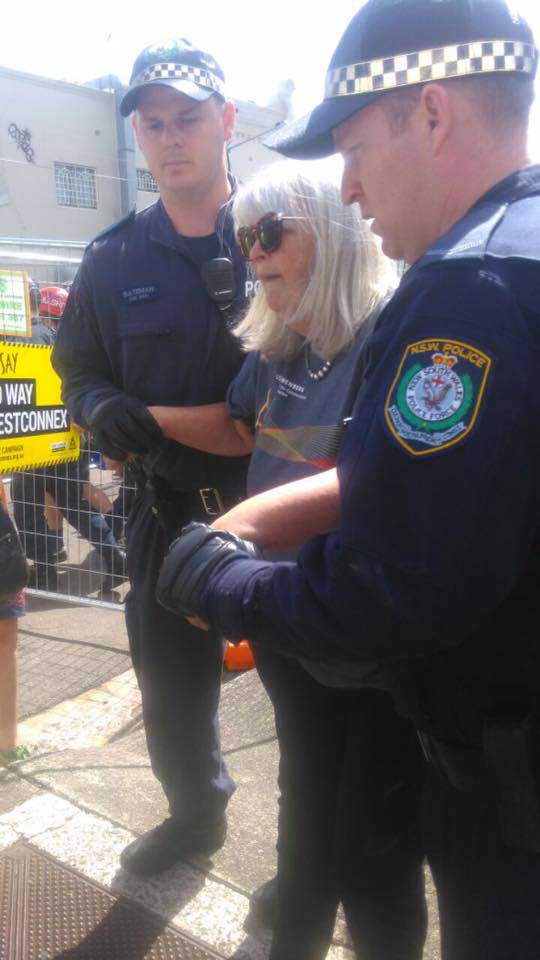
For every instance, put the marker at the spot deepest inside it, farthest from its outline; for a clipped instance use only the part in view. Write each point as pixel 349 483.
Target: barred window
pixel 145 181
pixel 75 186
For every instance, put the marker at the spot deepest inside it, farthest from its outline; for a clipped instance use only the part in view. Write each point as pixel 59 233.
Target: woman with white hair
pixel 350 768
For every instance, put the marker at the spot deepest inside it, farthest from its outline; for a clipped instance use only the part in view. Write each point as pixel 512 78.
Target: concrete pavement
pixel 87 788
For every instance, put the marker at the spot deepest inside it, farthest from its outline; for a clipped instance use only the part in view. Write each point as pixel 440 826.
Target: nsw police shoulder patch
pixel 436 395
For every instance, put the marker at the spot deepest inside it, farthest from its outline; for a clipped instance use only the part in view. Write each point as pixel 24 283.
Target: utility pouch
pixel 168 507
pixel 512 750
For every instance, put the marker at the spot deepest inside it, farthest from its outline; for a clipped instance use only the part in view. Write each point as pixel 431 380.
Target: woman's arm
pixel 208 427
pixel 287 516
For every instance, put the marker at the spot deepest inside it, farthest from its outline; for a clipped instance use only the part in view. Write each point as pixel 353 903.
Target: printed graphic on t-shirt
pixel 317 445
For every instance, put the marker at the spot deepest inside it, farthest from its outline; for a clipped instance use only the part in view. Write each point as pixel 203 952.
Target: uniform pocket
pixel 137 322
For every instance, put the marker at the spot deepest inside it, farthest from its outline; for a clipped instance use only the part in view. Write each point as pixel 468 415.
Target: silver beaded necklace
pixel 317 374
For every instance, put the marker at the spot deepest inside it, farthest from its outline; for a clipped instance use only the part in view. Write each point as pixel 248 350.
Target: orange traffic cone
pixel 238 656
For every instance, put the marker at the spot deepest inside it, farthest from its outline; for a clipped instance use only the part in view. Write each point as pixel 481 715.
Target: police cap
pixel 391 44
pixel 178 64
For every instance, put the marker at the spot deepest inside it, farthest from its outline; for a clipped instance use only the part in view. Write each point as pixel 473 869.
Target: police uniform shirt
pixel 435 569
pixel 139 321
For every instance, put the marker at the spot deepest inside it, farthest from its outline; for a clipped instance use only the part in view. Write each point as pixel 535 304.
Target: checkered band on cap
pixel 441 63
pixel 181 71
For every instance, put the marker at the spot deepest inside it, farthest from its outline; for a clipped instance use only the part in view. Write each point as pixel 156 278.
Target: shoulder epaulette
pixel 519 235
pixel 115 226
pixel 470 237
pixel 492 229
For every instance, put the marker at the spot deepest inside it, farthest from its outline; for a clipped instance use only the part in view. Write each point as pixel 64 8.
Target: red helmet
pixel 53 301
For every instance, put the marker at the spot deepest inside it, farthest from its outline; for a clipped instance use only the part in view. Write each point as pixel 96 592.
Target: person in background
pixel 63 490
pixel 27 487
pixel 10 611
pixel 42 330
pixel 51 307
pixel 351 770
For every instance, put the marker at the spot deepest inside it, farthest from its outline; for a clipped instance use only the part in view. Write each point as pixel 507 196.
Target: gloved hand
pixel 122 425
pixel 190 562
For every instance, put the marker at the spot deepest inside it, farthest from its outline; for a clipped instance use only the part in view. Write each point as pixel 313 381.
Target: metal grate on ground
pixel 50 912
pixel 71 519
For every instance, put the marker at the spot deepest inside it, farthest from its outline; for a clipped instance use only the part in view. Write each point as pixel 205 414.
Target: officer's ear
pixel 437 111
pixel 229 119
pixel 134 123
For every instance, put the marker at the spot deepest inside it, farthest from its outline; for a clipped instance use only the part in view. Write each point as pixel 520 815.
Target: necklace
pixel 317 374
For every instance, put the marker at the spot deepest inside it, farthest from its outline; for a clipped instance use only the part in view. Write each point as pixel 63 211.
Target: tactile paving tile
pixel 50 912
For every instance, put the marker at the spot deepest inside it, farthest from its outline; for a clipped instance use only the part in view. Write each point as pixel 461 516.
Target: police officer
pixel 147 322
pixel 434 572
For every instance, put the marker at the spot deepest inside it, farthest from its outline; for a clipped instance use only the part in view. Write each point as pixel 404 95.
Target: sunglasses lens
pixel 246 240
pixel 270 233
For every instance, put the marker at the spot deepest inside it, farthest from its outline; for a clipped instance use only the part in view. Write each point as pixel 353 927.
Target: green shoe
pixel 11 756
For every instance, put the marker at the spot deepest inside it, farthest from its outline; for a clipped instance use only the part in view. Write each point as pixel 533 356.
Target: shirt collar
pixel 472 232
pixel 517 185
pixel 163 231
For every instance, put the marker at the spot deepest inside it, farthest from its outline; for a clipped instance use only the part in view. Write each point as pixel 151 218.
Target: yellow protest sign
pixel 35 427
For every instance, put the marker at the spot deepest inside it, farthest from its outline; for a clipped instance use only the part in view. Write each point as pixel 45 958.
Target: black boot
pixel 170 842
pixel 263 906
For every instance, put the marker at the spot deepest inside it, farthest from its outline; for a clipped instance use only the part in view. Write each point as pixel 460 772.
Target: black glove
pixel 191 560
pixel 121 425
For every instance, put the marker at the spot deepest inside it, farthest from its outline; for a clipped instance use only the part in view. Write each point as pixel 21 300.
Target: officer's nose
pixel 351 188
pixel 172 134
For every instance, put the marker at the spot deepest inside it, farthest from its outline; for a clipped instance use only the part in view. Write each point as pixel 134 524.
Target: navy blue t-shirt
pixel 298 421
pixel 299 426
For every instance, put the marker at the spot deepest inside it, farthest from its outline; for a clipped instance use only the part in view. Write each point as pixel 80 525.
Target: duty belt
pixel 208 502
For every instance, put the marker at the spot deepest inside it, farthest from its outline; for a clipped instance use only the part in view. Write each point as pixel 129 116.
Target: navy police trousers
pixel 179 670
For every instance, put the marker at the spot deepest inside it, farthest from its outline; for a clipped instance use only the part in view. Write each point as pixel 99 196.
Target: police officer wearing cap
pixel 434 571
pixel 147 322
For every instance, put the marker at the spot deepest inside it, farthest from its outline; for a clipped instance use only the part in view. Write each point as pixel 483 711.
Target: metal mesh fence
pixel 71 519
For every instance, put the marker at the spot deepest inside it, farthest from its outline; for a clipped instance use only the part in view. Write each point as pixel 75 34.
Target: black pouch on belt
pixel 169 506
pixel 512 750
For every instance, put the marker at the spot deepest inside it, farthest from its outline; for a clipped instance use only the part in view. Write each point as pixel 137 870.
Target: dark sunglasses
pixel 268 231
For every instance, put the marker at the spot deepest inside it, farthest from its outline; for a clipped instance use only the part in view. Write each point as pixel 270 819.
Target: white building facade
pixel 69 166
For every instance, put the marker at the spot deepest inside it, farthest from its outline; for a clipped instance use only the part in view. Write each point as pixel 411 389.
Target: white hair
pixel 350 276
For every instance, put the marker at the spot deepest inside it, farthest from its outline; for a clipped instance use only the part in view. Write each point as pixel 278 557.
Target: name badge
pixel 139 294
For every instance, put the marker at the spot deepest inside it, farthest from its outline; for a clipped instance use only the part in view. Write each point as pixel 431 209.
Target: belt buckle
pixel 211 501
